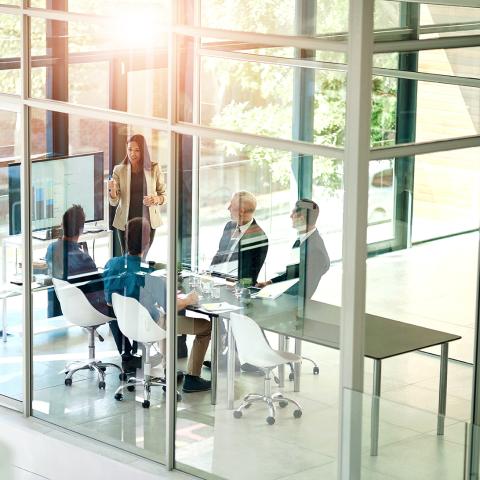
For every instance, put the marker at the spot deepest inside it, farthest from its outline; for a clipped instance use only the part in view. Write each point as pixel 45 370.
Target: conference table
pixel 319 323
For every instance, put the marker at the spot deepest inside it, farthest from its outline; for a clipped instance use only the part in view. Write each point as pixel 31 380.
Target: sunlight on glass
pixel 136 28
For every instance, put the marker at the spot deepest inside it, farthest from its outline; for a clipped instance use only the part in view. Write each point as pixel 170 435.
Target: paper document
pixel 220 307
pixel 275 289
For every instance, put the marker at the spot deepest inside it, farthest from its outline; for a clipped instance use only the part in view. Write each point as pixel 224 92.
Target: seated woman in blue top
pixel 124 275
pixel 65 258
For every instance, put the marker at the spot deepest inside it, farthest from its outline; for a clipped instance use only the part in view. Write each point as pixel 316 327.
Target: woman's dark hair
pixel 73 221
pixel 137 235
pixel 144 154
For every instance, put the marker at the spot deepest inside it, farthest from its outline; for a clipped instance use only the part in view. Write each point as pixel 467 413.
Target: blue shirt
pixel 123 275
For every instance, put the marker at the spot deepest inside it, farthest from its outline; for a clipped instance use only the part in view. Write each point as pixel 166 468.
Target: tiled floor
pixel 210 439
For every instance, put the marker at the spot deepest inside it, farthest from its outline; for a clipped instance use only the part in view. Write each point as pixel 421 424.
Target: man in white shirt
pixel 244 245
pixel 311 260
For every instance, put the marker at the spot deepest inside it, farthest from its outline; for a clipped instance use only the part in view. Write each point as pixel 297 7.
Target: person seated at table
pixel 310 257
pixel 124 275
pixel 244 245
pixel 66 258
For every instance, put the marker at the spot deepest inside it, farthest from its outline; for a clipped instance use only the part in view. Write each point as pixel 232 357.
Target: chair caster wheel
pixel 122 377
pixel 297 413
pixel 291 376
pixel 316 370
pixel 270 420
pixel 179 397
pixel 68 382
pixel 282 403
pixel 101 385
pixel 146 404
pixel 118 396
pixel 131 388
pixel 237 414
pixel 276 380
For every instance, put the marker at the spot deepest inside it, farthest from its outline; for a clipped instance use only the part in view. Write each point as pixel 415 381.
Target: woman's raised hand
pixel 112 188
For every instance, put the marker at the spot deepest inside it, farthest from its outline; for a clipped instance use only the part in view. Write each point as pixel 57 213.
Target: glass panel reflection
pixel 10 49
pixel 84 350
pixel 267 264
pixel 11 327
pixel 100 64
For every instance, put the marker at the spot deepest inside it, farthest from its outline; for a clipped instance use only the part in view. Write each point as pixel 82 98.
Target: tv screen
pixel 57 184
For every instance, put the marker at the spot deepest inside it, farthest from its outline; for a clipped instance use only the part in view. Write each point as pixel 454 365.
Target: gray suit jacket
pixel 155 186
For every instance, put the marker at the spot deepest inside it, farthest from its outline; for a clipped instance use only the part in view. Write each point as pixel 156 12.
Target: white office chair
pixel 253 348
pixel 78 310
pixel 135 322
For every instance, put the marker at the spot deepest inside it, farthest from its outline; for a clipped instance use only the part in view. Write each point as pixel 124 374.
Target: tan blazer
pixel 155 186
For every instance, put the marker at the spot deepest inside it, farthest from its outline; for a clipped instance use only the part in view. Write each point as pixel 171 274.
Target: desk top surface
pixel 319 323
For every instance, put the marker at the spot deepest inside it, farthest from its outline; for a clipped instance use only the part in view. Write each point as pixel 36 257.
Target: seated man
pixel 244 245
pixel 65 258
pixel 310 257
pixel 124 276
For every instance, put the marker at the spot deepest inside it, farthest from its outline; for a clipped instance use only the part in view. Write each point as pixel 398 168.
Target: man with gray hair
pixel 244 245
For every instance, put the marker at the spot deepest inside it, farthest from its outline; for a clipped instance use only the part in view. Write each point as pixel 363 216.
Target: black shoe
pixel 249 368
pixel 182 349
pixel 180 376
pixel 131 363
pixel 196 384
pixel 207 364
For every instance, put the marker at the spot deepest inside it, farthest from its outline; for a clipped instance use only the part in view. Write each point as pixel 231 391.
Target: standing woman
pixel 137 189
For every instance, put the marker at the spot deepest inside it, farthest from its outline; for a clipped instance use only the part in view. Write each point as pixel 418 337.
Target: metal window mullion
pixel 253 139
pixel 354 250
pixel 462 41
pixel 196 140
pixel 25 219
pixel 272 40
pixel 422 148
pixel 172 232
pixel 99 113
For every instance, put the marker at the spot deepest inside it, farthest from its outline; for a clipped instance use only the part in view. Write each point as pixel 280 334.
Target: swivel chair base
pixel 92 364
pixel 146 382
pixel 270 401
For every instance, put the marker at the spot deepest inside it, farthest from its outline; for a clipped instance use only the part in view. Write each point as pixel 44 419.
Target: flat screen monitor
pixel 57 184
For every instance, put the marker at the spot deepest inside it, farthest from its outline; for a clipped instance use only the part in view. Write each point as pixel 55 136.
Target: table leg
pixel 230 368
pixel 281 368
pixel 375 420
pixel 214 358
pixel 442 391
pixel 297 366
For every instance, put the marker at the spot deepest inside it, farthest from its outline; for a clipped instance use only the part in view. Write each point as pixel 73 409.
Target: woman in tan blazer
pixel 137 189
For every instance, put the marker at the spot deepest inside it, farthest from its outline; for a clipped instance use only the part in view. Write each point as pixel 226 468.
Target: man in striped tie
pixel 244 245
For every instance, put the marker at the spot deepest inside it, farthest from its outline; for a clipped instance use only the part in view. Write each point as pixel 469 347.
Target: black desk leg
pixel 282 342
pixel 442 390
pixel 297 367
pixel 214 357
pixel 375 420
pixel 230 368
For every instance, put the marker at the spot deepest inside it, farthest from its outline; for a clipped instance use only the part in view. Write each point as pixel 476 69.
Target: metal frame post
pixel 357 155
pixel 172 218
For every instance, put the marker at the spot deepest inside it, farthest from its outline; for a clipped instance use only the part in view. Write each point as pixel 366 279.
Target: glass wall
pixel 248 131
pixel 70 207
pixel 11 380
